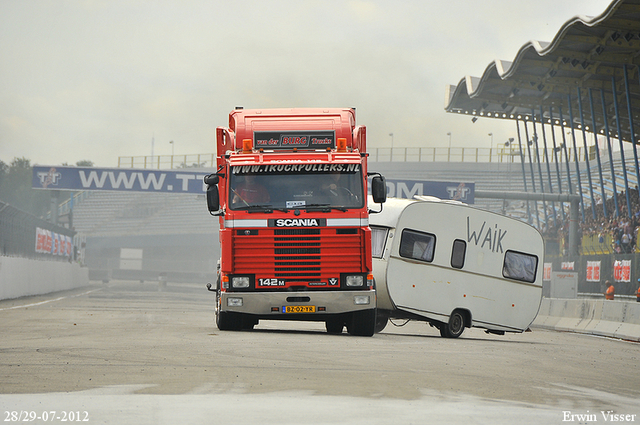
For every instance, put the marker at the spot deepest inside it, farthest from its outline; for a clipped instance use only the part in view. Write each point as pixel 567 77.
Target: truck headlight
pixel 240 281
pixel 355 280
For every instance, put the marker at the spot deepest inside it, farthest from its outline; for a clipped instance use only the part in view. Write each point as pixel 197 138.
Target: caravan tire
pixel 455 327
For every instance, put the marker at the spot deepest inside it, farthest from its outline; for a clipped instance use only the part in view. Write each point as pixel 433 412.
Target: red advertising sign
pixel 622 270
pixel 48 242
pixel 593 271
pixel 547 272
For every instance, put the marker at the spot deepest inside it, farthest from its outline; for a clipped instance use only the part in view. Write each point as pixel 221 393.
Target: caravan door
pixel 451 257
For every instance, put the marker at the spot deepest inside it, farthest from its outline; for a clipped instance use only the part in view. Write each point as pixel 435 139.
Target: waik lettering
pixel 492 238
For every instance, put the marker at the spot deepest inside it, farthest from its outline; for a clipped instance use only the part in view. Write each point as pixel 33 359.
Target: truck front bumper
pixel 274 303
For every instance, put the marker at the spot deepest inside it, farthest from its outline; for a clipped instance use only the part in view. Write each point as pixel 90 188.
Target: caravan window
pixel 417 245
pixel 457 253
pixel 520 266
pixel 378 241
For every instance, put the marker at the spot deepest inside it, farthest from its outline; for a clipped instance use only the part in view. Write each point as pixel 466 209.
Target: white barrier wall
pixel 617 319
pixel 20 277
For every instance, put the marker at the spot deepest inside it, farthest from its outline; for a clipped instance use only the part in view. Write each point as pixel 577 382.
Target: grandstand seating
pixel 135 213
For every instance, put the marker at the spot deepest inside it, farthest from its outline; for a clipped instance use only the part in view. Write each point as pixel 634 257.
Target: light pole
pixel 491 146
pixel 391 155
pixel 172 147
pixel 449 150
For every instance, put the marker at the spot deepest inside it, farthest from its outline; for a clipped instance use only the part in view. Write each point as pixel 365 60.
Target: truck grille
pixel 299 256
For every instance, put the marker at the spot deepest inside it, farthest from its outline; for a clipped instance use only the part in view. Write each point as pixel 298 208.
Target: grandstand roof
pixel 586 53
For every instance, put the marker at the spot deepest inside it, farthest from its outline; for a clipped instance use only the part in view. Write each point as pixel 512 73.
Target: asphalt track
pixel 129 353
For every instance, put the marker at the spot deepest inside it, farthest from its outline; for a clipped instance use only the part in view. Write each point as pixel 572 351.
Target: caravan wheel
pixel 455 327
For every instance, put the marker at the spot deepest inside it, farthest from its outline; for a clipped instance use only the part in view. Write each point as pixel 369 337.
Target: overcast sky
pixel 97 79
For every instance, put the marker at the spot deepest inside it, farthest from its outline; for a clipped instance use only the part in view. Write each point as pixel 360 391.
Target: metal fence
pixel 25 235
pixel 499 154
pixel 161 162
pixel 399 154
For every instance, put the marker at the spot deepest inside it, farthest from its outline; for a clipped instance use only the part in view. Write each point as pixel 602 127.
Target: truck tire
pixel 455 327
pixel 334 325
pixel 362 323
pixel 227 321
pixel 248 322
pixel 382 318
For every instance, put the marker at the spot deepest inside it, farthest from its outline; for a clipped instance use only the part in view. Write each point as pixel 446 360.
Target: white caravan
pixel 455 266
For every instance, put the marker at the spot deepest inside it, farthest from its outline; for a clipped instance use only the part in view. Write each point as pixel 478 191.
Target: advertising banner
pixel 547 272
pixel 294 139
pixel 593 271
pixel 118 179
pixel 458 191
pixel 622 270
pixel 567 265
pixel 48 242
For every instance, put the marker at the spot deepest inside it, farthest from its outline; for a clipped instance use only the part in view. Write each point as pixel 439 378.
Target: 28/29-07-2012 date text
pixel 46 416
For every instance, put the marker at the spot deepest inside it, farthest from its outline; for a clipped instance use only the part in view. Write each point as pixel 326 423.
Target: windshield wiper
pixel 267 208
pixel 324 207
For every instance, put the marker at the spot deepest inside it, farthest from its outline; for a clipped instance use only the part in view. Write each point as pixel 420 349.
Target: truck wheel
pixel 382 318
pixel 227 321
pixel 248 322
pixel 455 327
pixel 362 323
pixel 334 326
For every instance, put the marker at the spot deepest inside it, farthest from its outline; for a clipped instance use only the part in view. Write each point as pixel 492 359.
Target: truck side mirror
pixel 211 179
pixel 379 189
pixel 213 197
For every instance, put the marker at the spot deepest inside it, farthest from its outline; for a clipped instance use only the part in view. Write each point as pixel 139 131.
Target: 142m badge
pixel 271 282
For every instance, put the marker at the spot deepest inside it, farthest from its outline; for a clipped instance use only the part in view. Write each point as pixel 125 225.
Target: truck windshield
pixel 293 186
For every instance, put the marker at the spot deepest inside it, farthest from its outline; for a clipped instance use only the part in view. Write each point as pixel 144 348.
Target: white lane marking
pixel 49 301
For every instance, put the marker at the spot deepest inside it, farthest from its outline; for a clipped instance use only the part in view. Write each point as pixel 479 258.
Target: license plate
pixel 299 309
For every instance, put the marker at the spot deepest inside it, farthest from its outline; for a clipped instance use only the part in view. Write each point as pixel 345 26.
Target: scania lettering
pixel 305 222
pixel 290 191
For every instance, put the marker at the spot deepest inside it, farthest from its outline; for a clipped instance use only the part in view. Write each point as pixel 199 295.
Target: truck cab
pixel 290 192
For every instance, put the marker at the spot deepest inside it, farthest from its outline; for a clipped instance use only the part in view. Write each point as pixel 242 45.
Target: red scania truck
pixel 290 191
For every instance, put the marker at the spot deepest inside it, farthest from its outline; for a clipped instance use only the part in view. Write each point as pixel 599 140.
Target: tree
pixel 15 187
pixel 4 169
